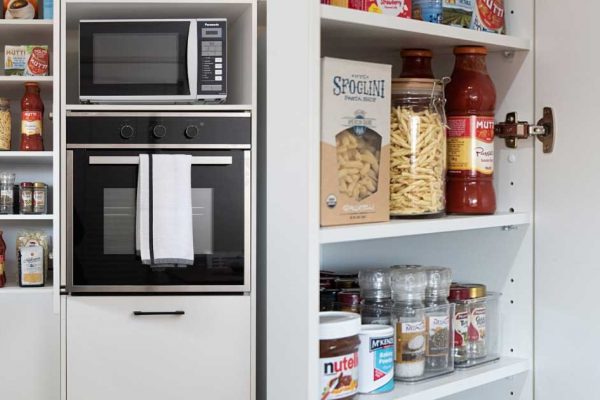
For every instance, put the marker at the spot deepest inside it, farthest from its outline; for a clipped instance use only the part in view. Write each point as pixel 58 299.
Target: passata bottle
pixel 2 261
pixel 32 115
pixel 471 99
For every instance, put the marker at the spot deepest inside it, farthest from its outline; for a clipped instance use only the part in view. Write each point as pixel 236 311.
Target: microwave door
pixel 138 61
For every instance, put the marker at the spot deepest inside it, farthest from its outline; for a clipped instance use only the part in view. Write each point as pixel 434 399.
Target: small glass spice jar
pixel 5 124
pixel 459 295
pixel 376 294
pixel 40 198
pixel 438 319
pixel 26 198
pixel 7 180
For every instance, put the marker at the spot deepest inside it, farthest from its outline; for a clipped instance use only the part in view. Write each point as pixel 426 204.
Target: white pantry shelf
pixel 412 227
pixel 26 158
pixel 344 29
pixel 459 381
pixel 26 217
pixel 14 288
pixel 12 82
pixel 26 26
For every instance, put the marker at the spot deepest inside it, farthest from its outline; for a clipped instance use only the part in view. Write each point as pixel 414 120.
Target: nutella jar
pixel 339 342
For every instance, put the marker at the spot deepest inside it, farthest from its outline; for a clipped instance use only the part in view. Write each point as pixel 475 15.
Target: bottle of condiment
pixel 416 63
pixel 338 345
pixel 40 198
pixel 376 296
pixel 459 295
pixel 26 198
pixel 408 318
pixel 438 318
pixel 471 100
pixel 7 182
pixel 5 124
pixel 2 261
pixel 32 115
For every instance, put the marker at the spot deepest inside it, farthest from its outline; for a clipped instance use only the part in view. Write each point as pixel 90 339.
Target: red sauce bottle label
pixel 471 144
pixel 1 264
pixel 31 123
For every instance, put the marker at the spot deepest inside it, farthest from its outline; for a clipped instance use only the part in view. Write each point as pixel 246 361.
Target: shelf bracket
pixel 512 129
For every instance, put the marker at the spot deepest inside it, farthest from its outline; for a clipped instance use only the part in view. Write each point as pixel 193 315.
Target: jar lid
pixel 438 278
pixel 480 50
pixel 348 298
pixel 4 102
pixel 408 283
pixel 417 86
pixel 377 330
pixel 7 177
pixel 416 53
pixel 26 184
pixel 39 185
pixel 338 325
pixel 458 293
pixel 476 290
pixel 345 283
pixel 375 283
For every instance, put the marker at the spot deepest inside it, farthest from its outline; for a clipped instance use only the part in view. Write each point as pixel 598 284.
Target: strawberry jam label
pixel 471 144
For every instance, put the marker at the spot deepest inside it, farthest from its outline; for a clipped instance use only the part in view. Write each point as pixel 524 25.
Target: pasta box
pixel 355 142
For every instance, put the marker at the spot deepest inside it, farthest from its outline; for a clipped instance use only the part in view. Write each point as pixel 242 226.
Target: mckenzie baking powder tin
pixel 376 356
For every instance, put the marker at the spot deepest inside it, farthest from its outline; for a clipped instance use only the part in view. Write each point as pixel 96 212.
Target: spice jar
pixel 438 318
pixel 338 345
pixel 7 181
pixel 5 124
pixel 418 148
pixel 408 318
pixel 416 63
pixel 349 301
pixel 40 198
pixel 376 296
pixel 26 198
pixel 459 295
pixel 476 346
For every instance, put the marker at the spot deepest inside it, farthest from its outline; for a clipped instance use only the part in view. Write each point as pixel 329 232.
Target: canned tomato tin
pixel 376 355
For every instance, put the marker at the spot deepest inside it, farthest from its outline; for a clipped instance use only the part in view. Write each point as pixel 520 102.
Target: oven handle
pixel 146 313
pixel 124 160
pixel 66 274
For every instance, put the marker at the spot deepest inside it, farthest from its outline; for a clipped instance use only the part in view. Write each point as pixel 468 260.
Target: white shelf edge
pixel 19 78
pixel 26 217
pixel 26 22
pixel 457 382
pixel 385 22
pixel 25 154
pixel 13 288
pixel 413 227
pixel 158 107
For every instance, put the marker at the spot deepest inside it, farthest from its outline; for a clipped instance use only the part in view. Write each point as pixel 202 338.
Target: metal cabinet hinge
pixel 513 129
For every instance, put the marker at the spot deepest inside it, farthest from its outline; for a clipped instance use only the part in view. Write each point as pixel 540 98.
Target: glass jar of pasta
pixel 418 148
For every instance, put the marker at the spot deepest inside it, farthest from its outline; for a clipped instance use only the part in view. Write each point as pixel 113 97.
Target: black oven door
pixel 102 196
pixel 138 61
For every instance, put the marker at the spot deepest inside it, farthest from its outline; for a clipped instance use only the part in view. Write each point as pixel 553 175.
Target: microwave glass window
pixel 136 58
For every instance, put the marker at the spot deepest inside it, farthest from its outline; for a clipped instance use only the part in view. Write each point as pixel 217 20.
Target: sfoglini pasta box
pixel 355 142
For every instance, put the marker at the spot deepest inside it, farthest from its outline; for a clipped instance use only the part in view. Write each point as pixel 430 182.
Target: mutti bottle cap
pixel 408 283
pixel 375 284
pixel 439 280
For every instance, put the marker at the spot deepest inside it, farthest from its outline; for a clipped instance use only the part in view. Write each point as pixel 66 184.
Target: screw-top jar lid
pixel 419 86
pixel 458 293
pixel 438 279
pixel 39 185
pixel 7 178
pixel 348 298
pixel 337 325
pixel 416 53
pixel 408 283
pixel 26 184
pixel 479 50
pixel 375 283
pixel 476 290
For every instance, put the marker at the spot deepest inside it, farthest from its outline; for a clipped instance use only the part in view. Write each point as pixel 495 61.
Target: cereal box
pixel 26 60
pixel 488 16
pixel 457 12
pixel 355 142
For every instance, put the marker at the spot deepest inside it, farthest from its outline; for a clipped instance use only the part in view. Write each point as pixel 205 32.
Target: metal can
pixel 427 10
pixel 26 198
pixel 40 198
pixel 376 355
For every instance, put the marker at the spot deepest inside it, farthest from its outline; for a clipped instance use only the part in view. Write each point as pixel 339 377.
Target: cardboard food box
pixel 397 8
pixel 355 142
pixel 26 60
pixel 457 12
pixel 20 9
pixel 488 16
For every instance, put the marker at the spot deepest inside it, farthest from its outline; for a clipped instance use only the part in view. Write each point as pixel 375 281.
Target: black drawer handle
pixel 145 313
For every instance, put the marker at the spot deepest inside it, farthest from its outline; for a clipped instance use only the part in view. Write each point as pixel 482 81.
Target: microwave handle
pixel 132 160
pixel 192 58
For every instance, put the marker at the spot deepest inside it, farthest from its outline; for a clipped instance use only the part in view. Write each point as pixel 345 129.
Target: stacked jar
pixel 438 314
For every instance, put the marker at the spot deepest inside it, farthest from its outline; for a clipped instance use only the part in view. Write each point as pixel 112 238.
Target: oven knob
pixel 159 131
pixel 127 131
pixel 192 131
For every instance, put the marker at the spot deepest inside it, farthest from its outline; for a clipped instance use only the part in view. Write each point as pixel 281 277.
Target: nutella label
pixel 339 376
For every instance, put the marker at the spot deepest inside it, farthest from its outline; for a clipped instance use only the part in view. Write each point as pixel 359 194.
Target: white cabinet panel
pixel 112 354
pixel 29 345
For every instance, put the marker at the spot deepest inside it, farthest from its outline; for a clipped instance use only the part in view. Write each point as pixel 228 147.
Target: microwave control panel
pixel 212 60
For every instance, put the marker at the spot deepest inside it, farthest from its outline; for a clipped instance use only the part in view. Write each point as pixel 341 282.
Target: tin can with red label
pixel 488 16
pixel 37 64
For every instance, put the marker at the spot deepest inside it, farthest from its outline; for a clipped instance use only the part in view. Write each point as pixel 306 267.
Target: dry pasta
pixel 418 162
pixel 358 164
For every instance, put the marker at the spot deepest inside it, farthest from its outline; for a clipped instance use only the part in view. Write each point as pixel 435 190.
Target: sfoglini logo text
pixel 358 85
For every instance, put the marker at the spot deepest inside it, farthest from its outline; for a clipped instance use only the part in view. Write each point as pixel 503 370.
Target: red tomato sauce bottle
pixel 32 116
pixel 471 99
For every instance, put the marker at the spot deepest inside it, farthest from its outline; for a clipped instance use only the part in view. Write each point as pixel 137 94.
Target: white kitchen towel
pixel 171 228
pixel 142 220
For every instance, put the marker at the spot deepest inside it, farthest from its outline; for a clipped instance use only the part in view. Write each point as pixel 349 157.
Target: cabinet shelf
pixel 14 288
pixel 24 26
pixel 412 227
pixel 26 158
pixel 456 382
pixel 343 28
pixel 26 217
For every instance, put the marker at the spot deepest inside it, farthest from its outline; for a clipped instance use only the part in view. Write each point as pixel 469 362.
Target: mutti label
pixel 471 144
pixel 339 376
pixel 488 16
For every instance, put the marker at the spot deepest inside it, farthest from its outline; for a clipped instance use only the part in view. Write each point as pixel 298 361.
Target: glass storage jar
pixel 416 63
pixel 26 198
pixel 5 124
pixel 7 181
pixel 418 148
pixel 40 198
pixel 439 357
pixel 376 296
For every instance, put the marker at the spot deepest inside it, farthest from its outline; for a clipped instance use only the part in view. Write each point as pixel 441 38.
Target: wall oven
pixel 144 61
pixel 103 151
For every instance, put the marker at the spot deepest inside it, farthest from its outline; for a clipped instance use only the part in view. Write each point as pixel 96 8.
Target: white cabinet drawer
pixel 203 354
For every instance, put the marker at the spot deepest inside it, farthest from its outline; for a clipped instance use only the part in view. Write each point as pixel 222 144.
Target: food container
pixel 427 10
pixel 7 181
pixel 376 359
pixel 489 16
pixel 438 320
pixel 418 148
pixel 416 63
pixel 457 13
pixel 349 300
pixel 338 344
pixel 26 198
pixel 40 198
pixel 5 124
pixel 376 296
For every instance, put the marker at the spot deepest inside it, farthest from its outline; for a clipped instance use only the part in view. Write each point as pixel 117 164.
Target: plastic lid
pixel 480 50
pixel 375 283
pixel 337 325
pixel 476 290
pixel 438 279
pixel 416 53
pixel 417 86
pixel 26 184
pixel 39 185
pixel 408 283
pixel 377 330
pixel 458 293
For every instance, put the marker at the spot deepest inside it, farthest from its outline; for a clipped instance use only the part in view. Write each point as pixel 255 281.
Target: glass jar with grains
pixel 5 124
pixel 418 148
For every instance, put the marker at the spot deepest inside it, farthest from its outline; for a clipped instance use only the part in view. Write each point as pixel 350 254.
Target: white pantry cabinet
pixel 539 250
pixel 203 353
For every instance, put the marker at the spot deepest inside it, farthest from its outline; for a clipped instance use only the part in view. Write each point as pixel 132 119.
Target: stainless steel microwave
pixel 153 61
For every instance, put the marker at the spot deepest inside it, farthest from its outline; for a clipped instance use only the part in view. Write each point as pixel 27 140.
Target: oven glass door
pixel 124 59
pixel 103 197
